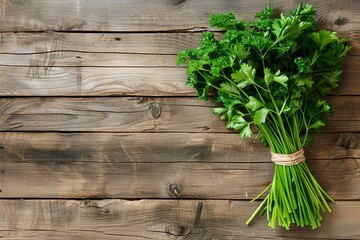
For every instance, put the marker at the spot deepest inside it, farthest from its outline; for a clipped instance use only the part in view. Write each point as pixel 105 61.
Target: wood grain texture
pixel 87 59
pixel 22 43
pixel 143 148
pixel 119 114
pixel 93 107
pixel 154 219
pixel 109 114
pixel 136 166
pixel 61 64
pixel 71 59
pixel 156 165
pixel 353 38
pixel 85 81
pixel 147 80
pixel 341 179
pixel 160 148
pixel 107 42
pixel 154 15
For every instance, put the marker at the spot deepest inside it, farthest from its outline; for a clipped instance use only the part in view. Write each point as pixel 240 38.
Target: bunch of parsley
pixel 272 73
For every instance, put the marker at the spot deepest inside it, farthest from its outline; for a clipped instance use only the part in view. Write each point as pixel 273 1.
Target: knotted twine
pixel 288 159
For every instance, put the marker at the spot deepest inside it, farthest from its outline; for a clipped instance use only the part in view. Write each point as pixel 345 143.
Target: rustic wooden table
pixel 101 139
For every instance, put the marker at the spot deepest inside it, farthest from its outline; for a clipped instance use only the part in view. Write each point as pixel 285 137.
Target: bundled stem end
pixel 294 197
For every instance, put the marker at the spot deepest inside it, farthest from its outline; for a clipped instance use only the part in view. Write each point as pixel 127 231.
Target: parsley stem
pixel 232 82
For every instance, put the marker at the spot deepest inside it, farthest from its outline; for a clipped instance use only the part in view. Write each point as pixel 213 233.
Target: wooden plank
pixel 159 219
pixel 48 60
pixel 349 78
pixel 108 114
pixel 119 114
pixel 84 59
pixel 344 107
pixel 48 157
pixel 139 147
pixel 43 178
pixel 353 38
pixel 48 80
pixel 108 42
pixel 160 148
pixel 155 15
pixel 87 81
pixel 151 165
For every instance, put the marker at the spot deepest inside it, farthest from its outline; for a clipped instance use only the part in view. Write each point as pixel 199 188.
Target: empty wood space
pixel 100 138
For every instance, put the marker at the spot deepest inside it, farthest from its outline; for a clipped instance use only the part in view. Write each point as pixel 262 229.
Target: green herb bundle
pixel 272 73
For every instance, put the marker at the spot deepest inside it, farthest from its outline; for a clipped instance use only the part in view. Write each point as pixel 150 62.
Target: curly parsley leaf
pixel 226 21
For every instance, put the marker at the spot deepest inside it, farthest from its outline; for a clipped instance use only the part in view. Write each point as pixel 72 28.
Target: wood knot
pixel 349 140
pixel 173 190
pixel 202 152
pixel 155 109
pixel 341 21
pixel 177 230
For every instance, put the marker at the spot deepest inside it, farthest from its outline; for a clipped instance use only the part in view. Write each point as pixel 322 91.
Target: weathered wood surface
pixel 160 148
pixel 60 64
pixel 106 42
pixel 154 219
pixel 72 49
pixel 84 81
pixel 120 114
pixel 110 114
pixel 134 81
pixel 21 43
pixel 199 180
pixel 68 131
pixel 69 59
pixel 55 165
pixel 154 15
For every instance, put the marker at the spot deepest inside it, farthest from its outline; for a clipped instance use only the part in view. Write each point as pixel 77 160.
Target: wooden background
pixel 101 139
